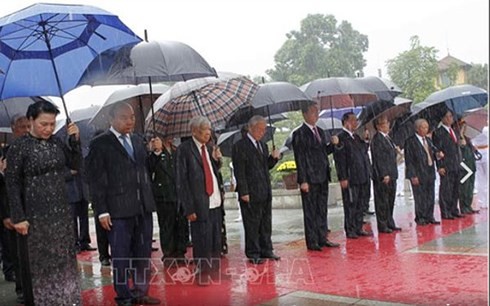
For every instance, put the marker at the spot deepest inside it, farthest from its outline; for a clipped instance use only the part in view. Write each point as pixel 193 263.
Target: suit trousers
pixel 315 213
pixel 130 240
pixel 206 241
pixel 257 222
pixel 172 229
pixel 353 198
pixel 79 212
pixel 423 196
pixel 449 194
pixel 10 252
pixel 102 240
pixel 384 202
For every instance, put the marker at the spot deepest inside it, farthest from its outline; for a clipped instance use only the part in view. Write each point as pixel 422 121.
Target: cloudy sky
pixel 243 36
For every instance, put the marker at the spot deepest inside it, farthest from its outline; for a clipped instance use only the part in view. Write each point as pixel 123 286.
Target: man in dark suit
pixel 251 161
pixel 123 201
pixel 353 170
pixel 311 155
pixel 20 126
pixel 447 140
pixel 385 173
pixel 420 159
pixel 172 224
pixel 77 190
pixel 199 196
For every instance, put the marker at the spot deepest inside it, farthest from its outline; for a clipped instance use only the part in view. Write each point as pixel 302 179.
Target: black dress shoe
pixel 367 212
pixel 146 300
pixel 448 217
pixel 434 222
pixel 458 216
pixel 364 233
pixel 87 247
pixel 105 262
pixel 422 223
pixel 386 231
pixel 315 247
pixel 352 236
pixel 330 244
pixel 272 256
pixel 153 249
pixel 256 261
pixel 396 228
pixel 10 277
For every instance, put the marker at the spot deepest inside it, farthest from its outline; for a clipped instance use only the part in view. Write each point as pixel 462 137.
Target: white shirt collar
pixel 349 132
pixel 113 130
pixel 198 143
pixel 252 139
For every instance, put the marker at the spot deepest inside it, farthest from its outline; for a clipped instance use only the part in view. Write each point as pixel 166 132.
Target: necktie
pixel 317 135
pixel 452 135
pixel 429 156
pixel 127 146
pixel 208 178
pixel 257 143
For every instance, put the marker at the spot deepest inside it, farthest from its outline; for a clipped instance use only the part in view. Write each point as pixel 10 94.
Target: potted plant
pixel 290 176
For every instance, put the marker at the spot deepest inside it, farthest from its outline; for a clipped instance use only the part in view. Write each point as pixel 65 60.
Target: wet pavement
pixel 443 264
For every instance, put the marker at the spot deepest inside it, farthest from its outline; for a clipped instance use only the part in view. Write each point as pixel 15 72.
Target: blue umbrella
pixel 45 48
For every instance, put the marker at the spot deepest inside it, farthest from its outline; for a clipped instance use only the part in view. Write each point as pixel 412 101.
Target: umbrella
pixel 149 62
pixel 271 98
pixel 228 139
pixel 214 98
pixel 391 110
pixel 338 113
pixel 45 48
pixel 272 119
pixel 139 98
pixel 475 120
pixel 330 127
pixel 339 92
pixel 385 89
pixel 87 131
pixel 14 106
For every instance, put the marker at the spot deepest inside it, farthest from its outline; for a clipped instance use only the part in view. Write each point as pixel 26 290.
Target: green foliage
pixel 452 74
pixel 415 70
pixel 320 49
pixel 478 75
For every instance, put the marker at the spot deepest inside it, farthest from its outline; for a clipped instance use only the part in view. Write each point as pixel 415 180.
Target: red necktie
pixel 452 135
pixel 207 171
pixel 317 135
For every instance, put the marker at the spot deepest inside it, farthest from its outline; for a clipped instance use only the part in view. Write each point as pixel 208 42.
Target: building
pixel 451 71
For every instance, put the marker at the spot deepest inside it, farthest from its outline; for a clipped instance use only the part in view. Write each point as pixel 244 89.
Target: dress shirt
pixel 215 197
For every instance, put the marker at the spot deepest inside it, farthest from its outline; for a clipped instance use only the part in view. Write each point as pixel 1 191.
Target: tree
pixel 415 70
pixel 320 49
pixel 478 75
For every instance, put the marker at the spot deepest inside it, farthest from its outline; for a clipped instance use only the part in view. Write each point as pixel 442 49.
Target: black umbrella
pixel 228 139
pixel 385 89
pixel 392 111
pixel 271 98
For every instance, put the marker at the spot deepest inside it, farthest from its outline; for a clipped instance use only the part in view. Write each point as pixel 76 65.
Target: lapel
pixel 117 145
pixel 195 151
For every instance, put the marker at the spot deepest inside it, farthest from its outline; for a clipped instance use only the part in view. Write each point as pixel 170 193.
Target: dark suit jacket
pixel 311 156
pixel 190 181
pixel 452 154
pixel 351 159
pixel 383 156
pixel 251 169
pixel 162 173
pixel 416 164
pixel 118 185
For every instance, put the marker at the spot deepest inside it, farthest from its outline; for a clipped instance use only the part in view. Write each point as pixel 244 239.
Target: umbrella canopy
pixel 45 48
pixel 87 131
pixel 385 89
pixel 15 106
pixel 338 92
pixel 137 96
pixel 459 98
pixel 475 120
pixel 271 98
pixel 392 110
pixel 228 139
pixel 330 127
pixel 271 120
pixel 154 61
pixel 338 113
pixel 214 98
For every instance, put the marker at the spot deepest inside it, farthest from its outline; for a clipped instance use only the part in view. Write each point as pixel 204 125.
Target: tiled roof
pixel 444 63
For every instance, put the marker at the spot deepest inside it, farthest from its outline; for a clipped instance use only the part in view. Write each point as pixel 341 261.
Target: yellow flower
pixel 287 166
